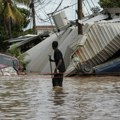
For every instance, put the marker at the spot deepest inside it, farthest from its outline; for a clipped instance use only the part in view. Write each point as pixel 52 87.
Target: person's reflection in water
pixel 58 103
pixel 58 96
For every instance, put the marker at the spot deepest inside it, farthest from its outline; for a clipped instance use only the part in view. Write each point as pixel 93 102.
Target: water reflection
pixel 86 98
pixel 58 97
pixel 58 103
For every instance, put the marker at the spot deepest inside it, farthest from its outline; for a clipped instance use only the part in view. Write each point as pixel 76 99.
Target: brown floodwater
pixel 81 98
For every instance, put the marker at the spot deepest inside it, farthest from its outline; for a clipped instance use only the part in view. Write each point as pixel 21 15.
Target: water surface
pixel 81 98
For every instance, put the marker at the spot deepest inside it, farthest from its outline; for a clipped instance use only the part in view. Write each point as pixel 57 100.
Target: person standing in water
pixel 59 65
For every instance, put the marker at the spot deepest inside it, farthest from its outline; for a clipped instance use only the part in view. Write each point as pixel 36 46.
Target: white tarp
pixel 38 56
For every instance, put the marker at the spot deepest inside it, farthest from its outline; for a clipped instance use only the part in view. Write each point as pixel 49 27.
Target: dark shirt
pixel 57 56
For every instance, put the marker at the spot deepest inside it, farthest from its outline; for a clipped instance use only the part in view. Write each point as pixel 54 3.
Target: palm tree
pixel 11 15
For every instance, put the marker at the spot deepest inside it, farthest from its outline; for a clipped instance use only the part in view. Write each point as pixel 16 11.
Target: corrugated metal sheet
pixel 98 44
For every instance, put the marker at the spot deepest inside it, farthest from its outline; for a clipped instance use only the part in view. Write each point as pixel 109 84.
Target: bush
pixel 14 51
pixel 109 3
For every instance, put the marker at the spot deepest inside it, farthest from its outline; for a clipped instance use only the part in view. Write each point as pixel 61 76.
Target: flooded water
pixel 81 98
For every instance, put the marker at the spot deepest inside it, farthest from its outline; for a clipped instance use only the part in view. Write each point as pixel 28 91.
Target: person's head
pixel 54 44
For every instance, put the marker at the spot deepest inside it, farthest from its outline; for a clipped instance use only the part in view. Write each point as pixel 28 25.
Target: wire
pixel 37 4
pixel 44 20
pixel 64 8
pixel 41 8
pixel 58 6
pixel 48 17
pixel 44 5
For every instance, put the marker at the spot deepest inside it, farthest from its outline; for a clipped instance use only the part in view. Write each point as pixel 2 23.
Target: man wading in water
pixel 59 65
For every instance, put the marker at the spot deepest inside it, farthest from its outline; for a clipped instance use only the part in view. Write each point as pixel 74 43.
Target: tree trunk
pixel 9 28
pixel 33 16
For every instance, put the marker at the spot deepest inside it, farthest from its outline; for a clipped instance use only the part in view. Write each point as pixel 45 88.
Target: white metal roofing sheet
pixel 103 40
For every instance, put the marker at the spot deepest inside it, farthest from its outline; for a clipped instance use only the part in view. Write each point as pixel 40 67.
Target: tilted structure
pixel 100 42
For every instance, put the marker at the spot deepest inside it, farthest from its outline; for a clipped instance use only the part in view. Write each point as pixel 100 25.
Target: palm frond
pixel 13 13
pixel 8 13
pixel 19 16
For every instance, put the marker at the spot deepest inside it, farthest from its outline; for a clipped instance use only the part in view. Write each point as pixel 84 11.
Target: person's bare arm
pixel 59 63
pixel 51 59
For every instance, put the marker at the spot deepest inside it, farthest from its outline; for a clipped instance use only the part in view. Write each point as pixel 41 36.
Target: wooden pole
pixel 80 31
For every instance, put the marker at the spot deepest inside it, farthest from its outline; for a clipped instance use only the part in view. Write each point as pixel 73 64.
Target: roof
pixel 23 40
pixel 99 43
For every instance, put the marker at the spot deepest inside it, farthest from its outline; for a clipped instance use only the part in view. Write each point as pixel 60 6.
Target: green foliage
pixel 14 51
pixel 109 3
pixel 26 15
pixel 1 6
pixel 17 29
pixel 3 45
